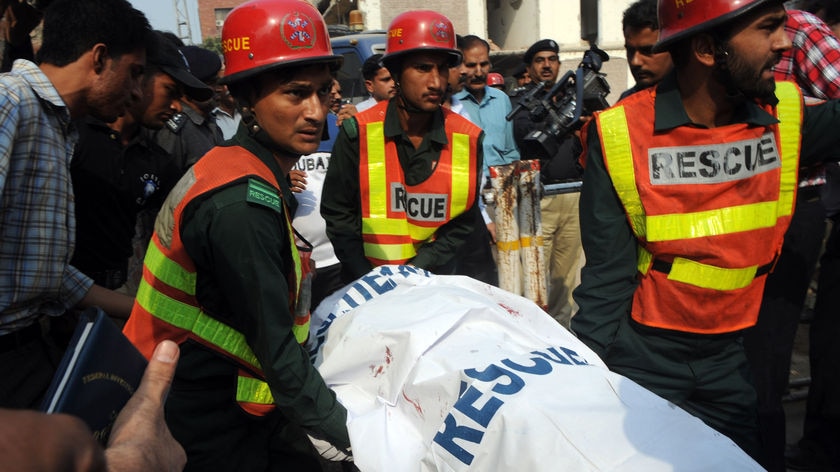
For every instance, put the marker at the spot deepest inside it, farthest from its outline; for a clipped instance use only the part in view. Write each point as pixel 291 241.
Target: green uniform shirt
pixel 341 204
pixel 241 253
pixel 608 280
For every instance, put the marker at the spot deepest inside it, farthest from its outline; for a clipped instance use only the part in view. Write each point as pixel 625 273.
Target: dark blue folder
pixel 98 374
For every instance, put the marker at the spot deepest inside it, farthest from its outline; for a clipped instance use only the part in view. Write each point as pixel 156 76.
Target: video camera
pixel 578 93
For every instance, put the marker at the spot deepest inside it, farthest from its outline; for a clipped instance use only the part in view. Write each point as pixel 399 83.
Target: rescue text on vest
pixel 713 163
pixel 418 206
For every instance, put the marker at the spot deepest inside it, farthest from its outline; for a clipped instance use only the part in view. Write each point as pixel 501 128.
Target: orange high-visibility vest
pixel 396 217
pixel 166 306
pixel 709 208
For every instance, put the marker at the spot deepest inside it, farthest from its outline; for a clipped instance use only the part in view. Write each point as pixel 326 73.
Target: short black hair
pixel 641 14
pixel 371 66
pixel 830 9
pixel 470 41
pixel 73 27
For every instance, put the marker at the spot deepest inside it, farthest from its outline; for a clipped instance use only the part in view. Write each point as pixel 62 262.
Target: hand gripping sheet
pixel 447 373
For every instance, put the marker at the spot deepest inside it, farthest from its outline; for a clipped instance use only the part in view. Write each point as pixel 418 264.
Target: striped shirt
pixel 37 222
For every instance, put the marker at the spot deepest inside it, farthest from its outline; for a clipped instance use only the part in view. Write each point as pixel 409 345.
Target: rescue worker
pixel 223 276
pixel 688 190
pixel 495 80
pixel 403 180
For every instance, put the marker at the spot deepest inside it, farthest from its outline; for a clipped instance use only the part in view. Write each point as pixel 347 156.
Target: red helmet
pixel 495 78
pixel 260 35
pixel 679 19
pixel 421 30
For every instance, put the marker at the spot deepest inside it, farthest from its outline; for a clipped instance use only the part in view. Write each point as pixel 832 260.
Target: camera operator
pixel 560 224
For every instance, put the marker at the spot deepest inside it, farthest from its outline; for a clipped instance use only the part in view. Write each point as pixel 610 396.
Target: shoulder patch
pixel 177 122
pixel 260 193
pixel 351 127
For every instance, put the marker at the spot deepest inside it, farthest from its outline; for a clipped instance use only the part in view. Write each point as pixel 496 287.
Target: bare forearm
pixel 113 303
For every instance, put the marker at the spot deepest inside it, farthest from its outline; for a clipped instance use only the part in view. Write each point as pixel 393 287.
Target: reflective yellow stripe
pixel 460 172
pixel 253 390
pixel 168 271
pixel 789 111
pixel 711 277
pixel 643 260
pixel 378 189
pixel 700 224
pixel 396 227
pixel 618 155
pixel 301 332
pixel 190 318
pixel 390 252
pixel 384 226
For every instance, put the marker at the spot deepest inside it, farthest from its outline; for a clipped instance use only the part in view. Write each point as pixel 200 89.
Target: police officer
pixel 559 211
pixel 193 131
pixel 425 162
pixel 677 256
pixel 223 276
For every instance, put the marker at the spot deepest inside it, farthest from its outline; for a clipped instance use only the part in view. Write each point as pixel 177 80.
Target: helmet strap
pixel 259 135
pixel 403 104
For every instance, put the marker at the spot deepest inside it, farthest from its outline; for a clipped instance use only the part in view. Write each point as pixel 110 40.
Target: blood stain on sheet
pixel 510 310
pixel 377 370
pixel 416 404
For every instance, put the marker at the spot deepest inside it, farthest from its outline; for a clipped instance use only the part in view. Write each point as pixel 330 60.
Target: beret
pixel 541 45
pixel 204 63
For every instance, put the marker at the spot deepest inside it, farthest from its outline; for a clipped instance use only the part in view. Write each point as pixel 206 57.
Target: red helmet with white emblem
pixel 495 79
pixel 680 19
pixel 421 30
pixel 260 35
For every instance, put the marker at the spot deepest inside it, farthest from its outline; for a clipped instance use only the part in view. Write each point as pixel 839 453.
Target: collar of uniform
pixel 670 112
pixel 194 115
pixel 465 95
pixel 393 129
pixel 242 138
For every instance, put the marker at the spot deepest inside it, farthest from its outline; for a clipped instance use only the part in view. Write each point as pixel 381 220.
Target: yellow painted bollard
pixel 532 251
pixel 503 179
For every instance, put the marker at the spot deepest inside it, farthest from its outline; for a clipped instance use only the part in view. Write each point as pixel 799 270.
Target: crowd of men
pixel 209 204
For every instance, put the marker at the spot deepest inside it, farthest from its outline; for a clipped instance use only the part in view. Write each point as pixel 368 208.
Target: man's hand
pixel 31 440
pixel 140 439
pixel 297 180
pixel 347 110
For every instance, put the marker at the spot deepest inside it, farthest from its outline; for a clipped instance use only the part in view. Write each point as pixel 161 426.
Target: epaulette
pixel 351 127
pixel 177 122
pixel 263 194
